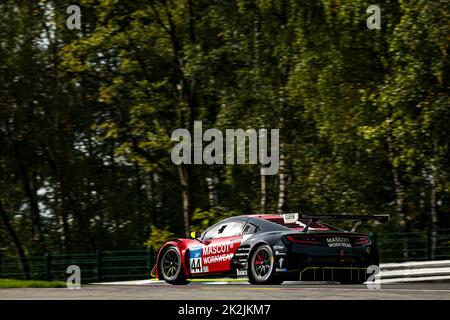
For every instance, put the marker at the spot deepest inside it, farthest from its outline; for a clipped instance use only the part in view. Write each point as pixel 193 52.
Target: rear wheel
pixel 170 266
pixel 261 266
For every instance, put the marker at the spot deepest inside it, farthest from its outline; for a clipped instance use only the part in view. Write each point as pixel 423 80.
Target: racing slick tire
pixel 261 266
pixel 170 267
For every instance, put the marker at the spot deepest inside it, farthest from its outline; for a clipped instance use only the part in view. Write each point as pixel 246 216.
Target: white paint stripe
pixel 365 289
pixel 223 282
pixel 415 272
pixel 413 279
pixel 415 264
pixel 306 283
pixel 131 283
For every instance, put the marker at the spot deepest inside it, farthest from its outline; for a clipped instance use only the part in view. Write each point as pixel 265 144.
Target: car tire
pixel 261 266
pixel 170 267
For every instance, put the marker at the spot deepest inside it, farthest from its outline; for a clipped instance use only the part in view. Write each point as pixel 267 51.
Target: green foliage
pixel 86 115
pixel 158 237
pixel 203 219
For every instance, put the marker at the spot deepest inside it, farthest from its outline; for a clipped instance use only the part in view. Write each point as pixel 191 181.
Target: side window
pixel 250 229
pixel 214 231
pixel 232 229
pixel 222 230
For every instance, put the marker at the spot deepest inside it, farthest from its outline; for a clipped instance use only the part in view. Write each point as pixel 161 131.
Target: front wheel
pixel 261 266
pixel 170 266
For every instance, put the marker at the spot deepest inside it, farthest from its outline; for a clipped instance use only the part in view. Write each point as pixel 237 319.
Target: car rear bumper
pixel 325 264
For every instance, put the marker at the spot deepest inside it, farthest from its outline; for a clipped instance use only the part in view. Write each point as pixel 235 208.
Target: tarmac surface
pixel 234 291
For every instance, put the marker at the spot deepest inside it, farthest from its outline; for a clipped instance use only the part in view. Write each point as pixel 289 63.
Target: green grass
pixel 12 283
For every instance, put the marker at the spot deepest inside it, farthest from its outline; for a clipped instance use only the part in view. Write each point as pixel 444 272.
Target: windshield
pixel 301 224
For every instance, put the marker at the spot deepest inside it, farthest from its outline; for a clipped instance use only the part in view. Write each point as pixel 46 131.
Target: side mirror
pixel 195 235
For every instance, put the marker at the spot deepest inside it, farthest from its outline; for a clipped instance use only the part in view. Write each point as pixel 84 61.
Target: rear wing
pixel 293 217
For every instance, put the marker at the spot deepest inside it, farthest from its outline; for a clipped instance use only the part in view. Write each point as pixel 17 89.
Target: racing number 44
pixel 195 260
pixel 196 265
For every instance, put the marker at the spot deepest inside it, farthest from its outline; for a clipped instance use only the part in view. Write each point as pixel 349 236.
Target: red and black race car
pixel 269 249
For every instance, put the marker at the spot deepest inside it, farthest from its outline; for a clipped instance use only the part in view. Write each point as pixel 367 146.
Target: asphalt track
pixel 236 291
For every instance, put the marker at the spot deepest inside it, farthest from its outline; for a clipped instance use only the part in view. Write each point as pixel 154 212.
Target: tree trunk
pixel 399 194
pixel 141 195
pixel 65 237
pixel 212 190
pixel 150 196
pixel 186 195
pixel 433 212
pixel 63 219
pixel 283 185
pixel 186 86
pixel 70 202
pixel 29 189
pixel 263 198
pixel 23 262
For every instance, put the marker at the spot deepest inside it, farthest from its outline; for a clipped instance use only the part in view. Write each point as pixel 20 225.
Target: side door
pixel 220 242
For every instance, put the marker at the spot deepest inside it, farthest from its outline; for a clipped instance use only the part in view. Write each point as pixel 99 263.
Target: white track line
pixel 414 279
pixel 430 272
pixel 306 283
pixel 414 264
pixel 130 283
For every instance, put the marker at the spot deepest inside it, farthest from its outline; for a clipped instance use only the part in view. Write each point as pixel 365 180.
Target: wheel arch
pixel 271 278
pixel 182 251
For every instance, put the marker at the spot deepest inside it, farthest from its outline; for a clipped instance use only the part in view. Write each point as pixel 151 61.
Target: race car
pixel 272 248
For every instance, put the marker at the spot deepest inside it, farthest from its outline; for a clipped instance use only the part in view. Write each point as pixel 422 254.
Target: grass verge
pixel 13 283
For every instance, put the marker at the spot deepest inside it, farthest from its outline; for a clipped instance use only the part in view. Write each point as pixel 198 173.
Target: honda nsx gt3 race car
pixel 269 249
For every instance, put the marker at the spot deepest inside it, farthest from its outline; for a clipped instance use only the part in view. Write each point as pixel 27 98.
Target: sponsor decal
pixel 338 242
pixel 217 249
pixel 281 262
pixel 195 260
pixel 241 272
pixel 290 217
pixel 281 269
pixel 219 258
pixel 206 255
pixel 279 247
